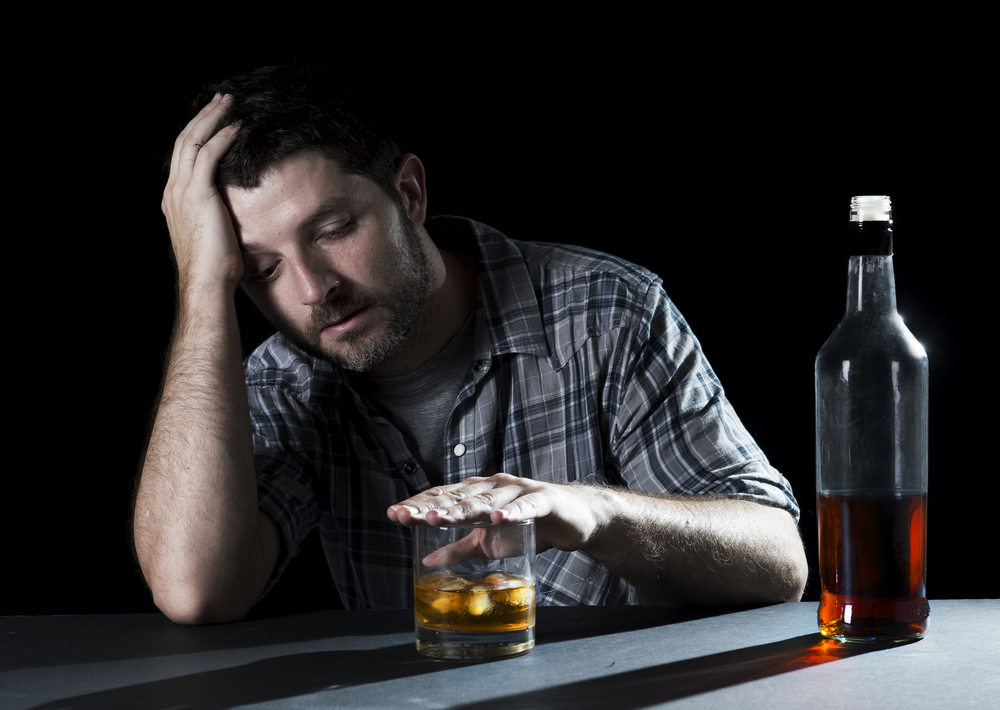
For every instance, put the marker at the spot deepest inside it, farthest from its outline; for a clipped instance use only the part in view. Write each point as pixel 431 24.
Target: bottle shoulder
pixel 858 337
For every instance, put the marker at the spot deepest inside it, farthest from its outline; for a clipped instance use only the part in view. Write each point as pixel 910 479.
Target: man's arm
pixel 691 549
pixel 666 406
pixel 205 548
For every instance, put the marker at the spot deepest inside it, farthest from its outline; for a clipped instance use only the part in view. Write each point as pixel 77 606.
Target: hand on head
pixel 201 228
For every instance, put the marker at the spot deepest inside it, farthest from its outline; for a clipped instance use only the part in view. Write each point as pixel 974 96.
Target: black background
pixel 722 161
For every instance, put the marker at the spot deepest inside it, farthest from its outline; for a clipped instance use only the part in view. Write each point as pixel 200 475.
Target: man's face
pixel 331 261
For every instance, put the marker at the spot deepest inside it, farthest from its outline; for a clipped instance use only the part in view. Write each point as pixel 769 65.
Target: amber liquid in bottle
pixel 873 552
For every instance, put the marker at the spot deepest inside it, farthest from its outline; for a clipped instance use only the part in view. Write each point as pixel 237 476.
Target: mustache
pixel 333 311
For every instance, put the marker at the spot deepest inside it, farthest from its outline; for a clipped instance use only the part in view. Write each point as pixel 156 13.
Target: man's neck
pixel 452 296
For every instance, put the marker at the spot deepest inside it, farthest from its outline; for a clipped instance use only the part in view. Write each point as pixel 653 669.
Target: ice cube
pixel 521 597
pixel 442 605
pixel 480 604
pixel 456 584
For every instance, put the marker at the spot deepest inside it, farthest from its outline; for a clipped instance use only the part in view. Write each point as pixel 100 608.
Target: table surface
pixel 585 657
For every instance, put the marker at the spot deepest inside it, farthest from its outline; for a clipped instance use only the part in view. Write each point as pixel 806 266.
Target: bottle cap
pixel 871 208
pixel 870 231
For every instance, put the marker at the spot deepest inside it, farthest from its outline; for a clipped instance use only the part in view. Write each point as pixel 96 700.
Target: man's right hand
pixel 201 228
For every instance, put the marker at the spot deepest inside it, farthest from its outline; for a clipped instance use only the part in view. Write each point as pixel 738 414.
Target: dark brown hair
pixel 283 111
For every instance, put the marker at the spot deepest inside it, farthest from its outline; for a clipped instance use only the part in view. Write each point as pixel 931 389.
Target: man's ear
pixel 412 188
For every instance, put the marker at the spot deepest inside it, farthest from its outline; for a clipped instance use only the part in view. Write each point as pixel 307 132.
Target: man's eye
pixel 338 232
pixel 266 275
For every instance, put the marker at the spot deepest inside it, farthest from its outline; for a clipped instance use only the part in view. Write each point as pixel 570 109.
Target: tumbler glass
pixel 474 590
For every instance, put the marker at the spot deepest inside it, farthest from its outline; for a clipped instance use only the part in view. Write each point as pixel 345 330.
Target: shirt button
pixel 459 449
pixel 409 468
pixel 478 366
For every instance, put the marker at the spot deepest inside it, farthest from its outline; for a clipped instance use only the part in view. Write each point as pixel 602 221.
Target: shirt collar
pixel 508 298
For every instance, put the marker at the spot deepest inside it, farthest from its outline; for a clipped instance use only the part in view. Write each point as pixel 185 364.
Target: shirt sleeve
pixel 285 480
pixel 675 431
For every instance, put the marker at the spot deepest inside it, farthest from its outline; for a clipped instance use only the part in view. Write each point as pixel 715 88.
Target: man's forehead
pixel 298 171
pixel 297 192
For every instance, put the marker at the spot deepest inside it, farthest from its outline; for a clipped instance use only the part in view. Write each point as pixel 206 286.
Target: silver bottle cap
pixel 871 208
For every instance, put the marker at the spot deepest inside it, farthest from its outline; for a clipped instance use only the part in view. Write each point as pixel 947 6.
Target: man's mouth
pixel 338 316
pixel 347 320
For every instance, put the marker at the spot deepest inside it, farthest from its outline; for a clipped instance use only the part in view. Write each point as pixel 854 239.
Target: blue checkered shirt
pixel 583 372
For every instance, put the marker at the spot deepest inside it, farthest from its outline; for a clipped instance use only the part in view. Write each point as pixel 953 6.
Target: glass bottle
pixel 871 451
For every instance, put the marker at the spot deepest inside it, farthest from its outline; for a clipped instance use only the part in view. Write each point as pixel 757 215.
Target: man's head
pixel 283 111
pixel 329 216
pixel 334 264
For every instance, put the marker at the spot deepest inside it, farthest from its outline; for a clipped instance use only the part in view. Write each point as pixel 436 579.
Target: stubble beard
pixel 409 282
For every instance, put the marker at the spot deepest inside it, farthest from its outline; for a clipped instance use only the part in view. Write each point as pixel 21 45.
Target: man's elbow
pixel 194 607
pixel 801 576
pixel 795 590
pixel 784 570
pixel 190 599
pixel 796 572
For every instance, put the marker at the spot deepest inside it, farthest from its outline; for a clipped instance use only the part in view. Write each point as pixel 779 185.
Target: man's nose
pixel 314 282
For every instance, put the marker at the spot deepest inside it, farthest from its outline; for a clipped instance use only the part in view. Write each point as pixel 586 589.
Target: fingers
pixel 204 241
pixel 454 554
pixel 567 516
pixel 492 543
pixel 471 501
pixel 524 507
pixel 198 135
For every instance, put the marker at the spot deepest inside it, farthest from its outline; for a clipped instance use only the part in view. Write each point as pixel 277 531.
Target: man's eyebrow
pixel 334 204
pixel 251 247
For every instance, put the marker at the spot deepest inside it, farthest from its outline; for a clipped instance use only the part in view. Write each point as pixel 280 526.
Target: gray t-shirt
pixel 419 403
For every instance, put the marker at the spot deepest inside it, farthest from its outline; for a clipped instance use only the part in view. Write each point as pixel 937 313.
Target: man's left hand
pixel 567 517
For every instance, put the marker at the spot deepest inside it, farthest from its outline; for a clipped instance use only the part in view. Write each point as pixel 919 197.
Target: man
pixel 425 371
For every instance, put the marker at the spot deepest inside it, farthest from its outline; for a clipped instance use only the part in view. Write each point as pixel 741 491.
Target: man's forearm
pixel 693 549
pixel 203 545
pixel 699 549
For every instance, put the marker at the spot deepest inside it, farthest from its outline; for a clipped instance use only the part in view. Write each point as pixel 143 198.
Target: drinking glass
pixel 474 590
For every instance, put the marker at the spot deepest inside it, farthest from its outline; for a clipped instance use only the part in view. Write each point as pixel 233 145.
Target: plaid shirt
pixel 583 372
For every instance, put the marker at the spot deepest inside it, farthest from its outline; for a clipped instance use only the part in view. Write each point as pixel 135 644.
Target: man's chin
pixel 357 357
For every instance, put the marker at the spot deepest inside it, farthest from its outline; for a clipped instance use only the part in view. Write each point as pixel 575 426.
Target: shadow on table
pixel 308 674
pixel 301 674
pixel 568 623
pixel 267 680
pixel 65 640
pixel 672 681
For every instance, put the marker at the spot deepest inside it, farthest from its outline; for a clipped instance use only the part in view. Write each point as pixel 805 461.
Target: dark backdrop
pixel 730 178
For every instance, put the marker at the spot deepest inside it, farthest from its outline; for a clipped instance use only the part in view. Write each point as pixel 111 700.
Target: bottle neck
pixel 871 287
pixel 869 238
